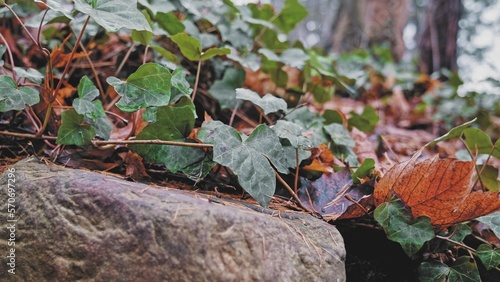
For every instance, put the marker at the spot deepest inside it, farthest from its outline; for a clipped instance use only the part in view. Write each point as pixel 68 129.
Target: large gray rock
pixel 74 225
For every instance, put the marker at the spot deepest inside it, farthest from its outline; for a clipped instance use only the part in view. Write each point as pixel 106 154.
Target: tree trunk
pixel 364 23
pixel 438 39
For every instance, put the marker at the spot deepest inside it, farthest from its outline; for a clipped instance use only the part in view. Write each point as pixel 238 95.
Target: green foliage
pixel 149 86
pixel 269 103
pixel 13 97
pixel 453 133
pixel 399 226
pixel 340 135
pixel 364 170
pixel 191 48
pixel 463 269
pixel 224 90
pixel 249 157
pixel 489 257
pixel 73 131
pixel 114 14
pixel 493 221
pixel 366 121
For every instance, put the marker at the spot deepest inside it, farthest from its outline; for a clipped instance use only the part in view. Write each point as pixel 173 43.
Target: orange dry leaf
pixel 437 188
pixel 322 159
pixel 59 59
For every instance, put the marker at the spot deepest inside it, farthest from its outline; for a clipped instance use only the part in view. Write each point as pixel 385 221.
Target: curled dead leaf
pixel 440 189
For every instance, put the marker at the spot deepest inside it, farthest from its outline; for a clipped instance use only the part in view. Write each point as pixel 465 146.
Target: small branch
pixel 92 67
pixel 197 80
pixel 27 135
pixel 294 195
pixel 116 142
pixel 456 243
pixel 22 24
pixel 117 72
pixel 11 58
pixel 155 142
pixel 296 183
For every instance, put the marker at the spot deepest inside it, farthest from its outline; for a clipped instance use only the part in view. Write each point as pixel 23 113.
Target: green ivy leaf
pixel 340 135
pixel 84 105
pixel 143 36
pixel 433 271
pixel 190 46
pixel 15 98
pixel 463 269
pixel 2 51
pixel 58 7
pixel 293 133
pixel 366 121
pixel 364 170
pixel 165 53
pixel 293 57
pixel 269 103
pixel 291 14
pixel 114 14
pixel 453 133
pixel 180 86
pixel 149 86
pixel 493 222
pixel 399 226
pixel 476 139
pixel 31 74
pixel 224 90
pixel 212 52
pixel 169 22
pixel 249 159
pixel 72 131
pixel 173 123
pixel 156 6
pixel 489 257
pixel 101 125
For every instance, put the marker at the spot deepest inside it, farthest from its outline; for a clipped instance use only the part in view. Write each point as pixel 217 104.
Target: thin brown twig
pixel 294 195
pixel 11 58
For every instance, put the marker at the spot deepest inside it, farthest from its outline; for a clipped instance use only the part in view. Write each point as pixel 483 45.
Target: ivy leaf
pixel 15 98
pixel 269 103
pixel 83 105
pixel 224 90
pixel 149 86
pixel 453 133
pixel 169 22
pixel 493 222
pixel 249 159
pixel 101 125
pixel 433 271
pixel 400 227
pixel 291 14
pixel 212 52
pixel 173 123
pixel 190 46
pixel 180 86
pixel 364 170
pixel 143 36
pixel 489 257
pixel 340 135
pixel 31 74
pixel 72 131
pixel 2 51
pixel 293 133
pixel 114 14
pixel 156 6
pixel 463 269
pixel 58 7
pixel 293 57
pixel 476 139
pixel 366 121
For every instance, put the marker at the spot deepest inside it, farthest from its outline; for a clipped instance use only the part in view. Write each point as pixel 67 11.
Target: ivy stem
pixel 196 80
pixel 59 84
pixel 294 195
pixel 11 58
pixel 296 183
pixel 119 69
pixel 115 142
pixel 456 243
pixel 92 67
pixel 22 24
pixel 475 166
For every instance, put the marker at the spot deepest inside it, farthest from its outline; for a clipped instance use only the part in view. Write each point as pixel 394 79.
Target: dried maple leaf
pixel 440 189
pixel 322 159
pixel 59 59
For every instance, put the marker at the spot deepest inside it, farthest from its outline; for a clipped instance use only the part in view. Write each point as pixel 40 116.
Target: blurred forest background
pixel 457 35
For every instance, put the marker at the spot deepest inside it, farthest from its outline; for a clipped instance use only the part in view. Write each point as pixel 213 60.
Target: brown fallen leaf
pixel 440 189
